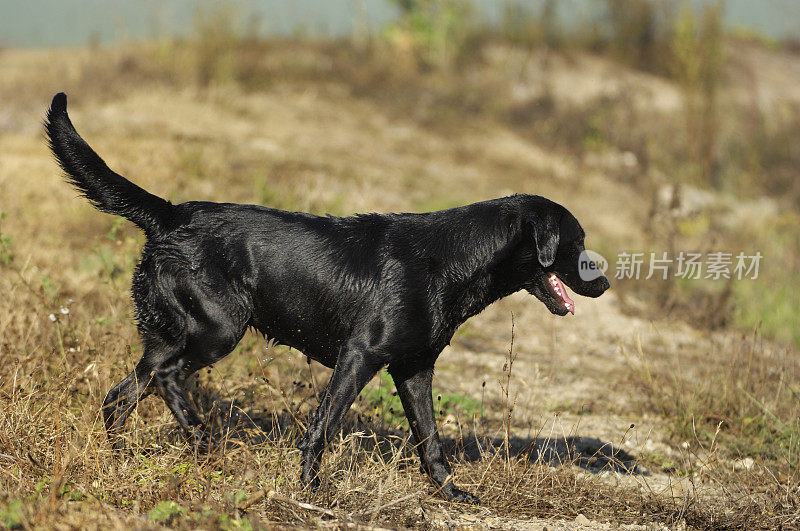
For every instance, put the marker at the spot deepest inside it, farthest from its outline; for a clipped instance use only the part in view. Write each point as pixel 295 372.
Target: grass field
pixel 660 404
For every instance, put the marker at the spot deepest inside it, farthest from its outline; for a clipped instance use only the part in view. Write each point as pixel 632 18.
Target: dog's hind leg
pixel 173 391
pixel 121 401
pixel 201 332
pixel 125 396
pixel 213 329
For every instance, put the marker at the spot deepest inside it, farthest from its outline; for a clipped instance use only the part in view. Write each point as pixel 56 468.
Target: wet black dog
pixel 356 294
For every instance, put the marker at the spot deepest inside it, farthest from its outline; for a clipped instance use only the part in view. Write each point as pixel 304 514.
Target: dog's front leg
pixel 415 389
pixel 354 368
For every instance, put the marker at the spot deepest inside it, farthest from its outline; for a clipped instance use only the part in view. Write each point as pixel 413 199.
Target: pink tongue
pixel 562 292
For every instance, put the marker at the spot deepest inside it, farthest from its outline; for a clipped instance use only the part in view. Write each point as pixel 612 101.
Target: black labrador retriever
pixel 356 294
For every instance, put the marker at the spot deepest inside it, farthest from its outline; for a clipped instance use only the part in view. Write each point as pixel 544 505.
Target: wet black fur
pixel 356 294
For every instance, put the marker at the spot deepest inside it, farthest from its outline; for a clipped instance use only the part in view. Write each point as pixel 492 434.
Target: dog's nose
pixel 595 288
pixel 605 284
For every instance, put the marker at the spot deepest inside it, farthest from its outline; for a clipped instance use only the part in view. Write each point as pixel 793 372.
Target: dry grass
pixel 57 464
pixel 339 128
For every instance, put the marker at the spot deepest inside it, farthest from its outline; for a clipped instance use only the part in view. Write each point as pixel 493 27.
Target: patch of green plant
pixel 593 138
pixel 664 463
pixel 183 468
pixel 237 497
pixel 436 30
pixel 434 204
pixel 148 472
pixel 69 493
pixel 12 513
pixel 103 320
pixel 5 242
pixel 770 302
pixel 216 35
pixel 268 196
pixel 698 59
pixel 113 261
pixel 335 205
pixel 452 403
pixel 176 515
pixel 192 161
pixel 166 511
pixel 104 260
pixel 42 485
pixel 49 287
pixel 467 331
pixel 386 405
pixel 774 309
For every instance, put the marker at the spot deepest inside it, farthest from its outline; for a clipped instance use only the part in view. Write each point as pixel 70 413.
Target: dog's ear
pixel 546 233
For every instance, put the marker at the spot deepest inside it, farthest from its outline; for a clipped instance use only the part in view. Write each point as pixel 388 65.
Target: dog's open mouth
pixel 561 293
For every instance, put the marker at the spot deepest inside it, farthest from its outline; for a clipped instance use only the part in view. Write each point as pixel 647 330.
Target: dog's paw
pixel 313 484
pixel 204 441
pixel 310 479
pixel 310 473
pixel 209 445
pixel 459 496
pixel 117 444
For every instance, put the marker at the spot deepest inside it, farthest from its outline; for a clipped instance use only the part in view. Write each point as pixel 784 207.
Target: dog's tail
pixel 105 189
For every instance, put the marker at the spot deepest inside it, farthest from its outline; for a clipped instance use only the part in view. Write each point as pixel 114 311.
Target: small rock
pixel 582 520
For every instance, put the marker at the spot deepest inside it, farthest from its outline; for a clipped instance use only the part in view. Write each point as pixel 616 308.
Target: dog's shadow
pixel 589 453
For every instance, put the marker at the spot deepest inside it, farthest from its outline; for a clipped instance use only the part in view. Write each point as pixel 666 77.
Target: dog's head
pixel 557 248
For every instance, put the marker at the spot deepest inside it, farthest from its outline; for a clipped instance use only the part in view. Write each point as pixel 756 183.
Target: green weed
pixel 12 513
pixel 436 30
pixel 166 511
pixel 114 256
pixel 386 405
pixel 5 242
